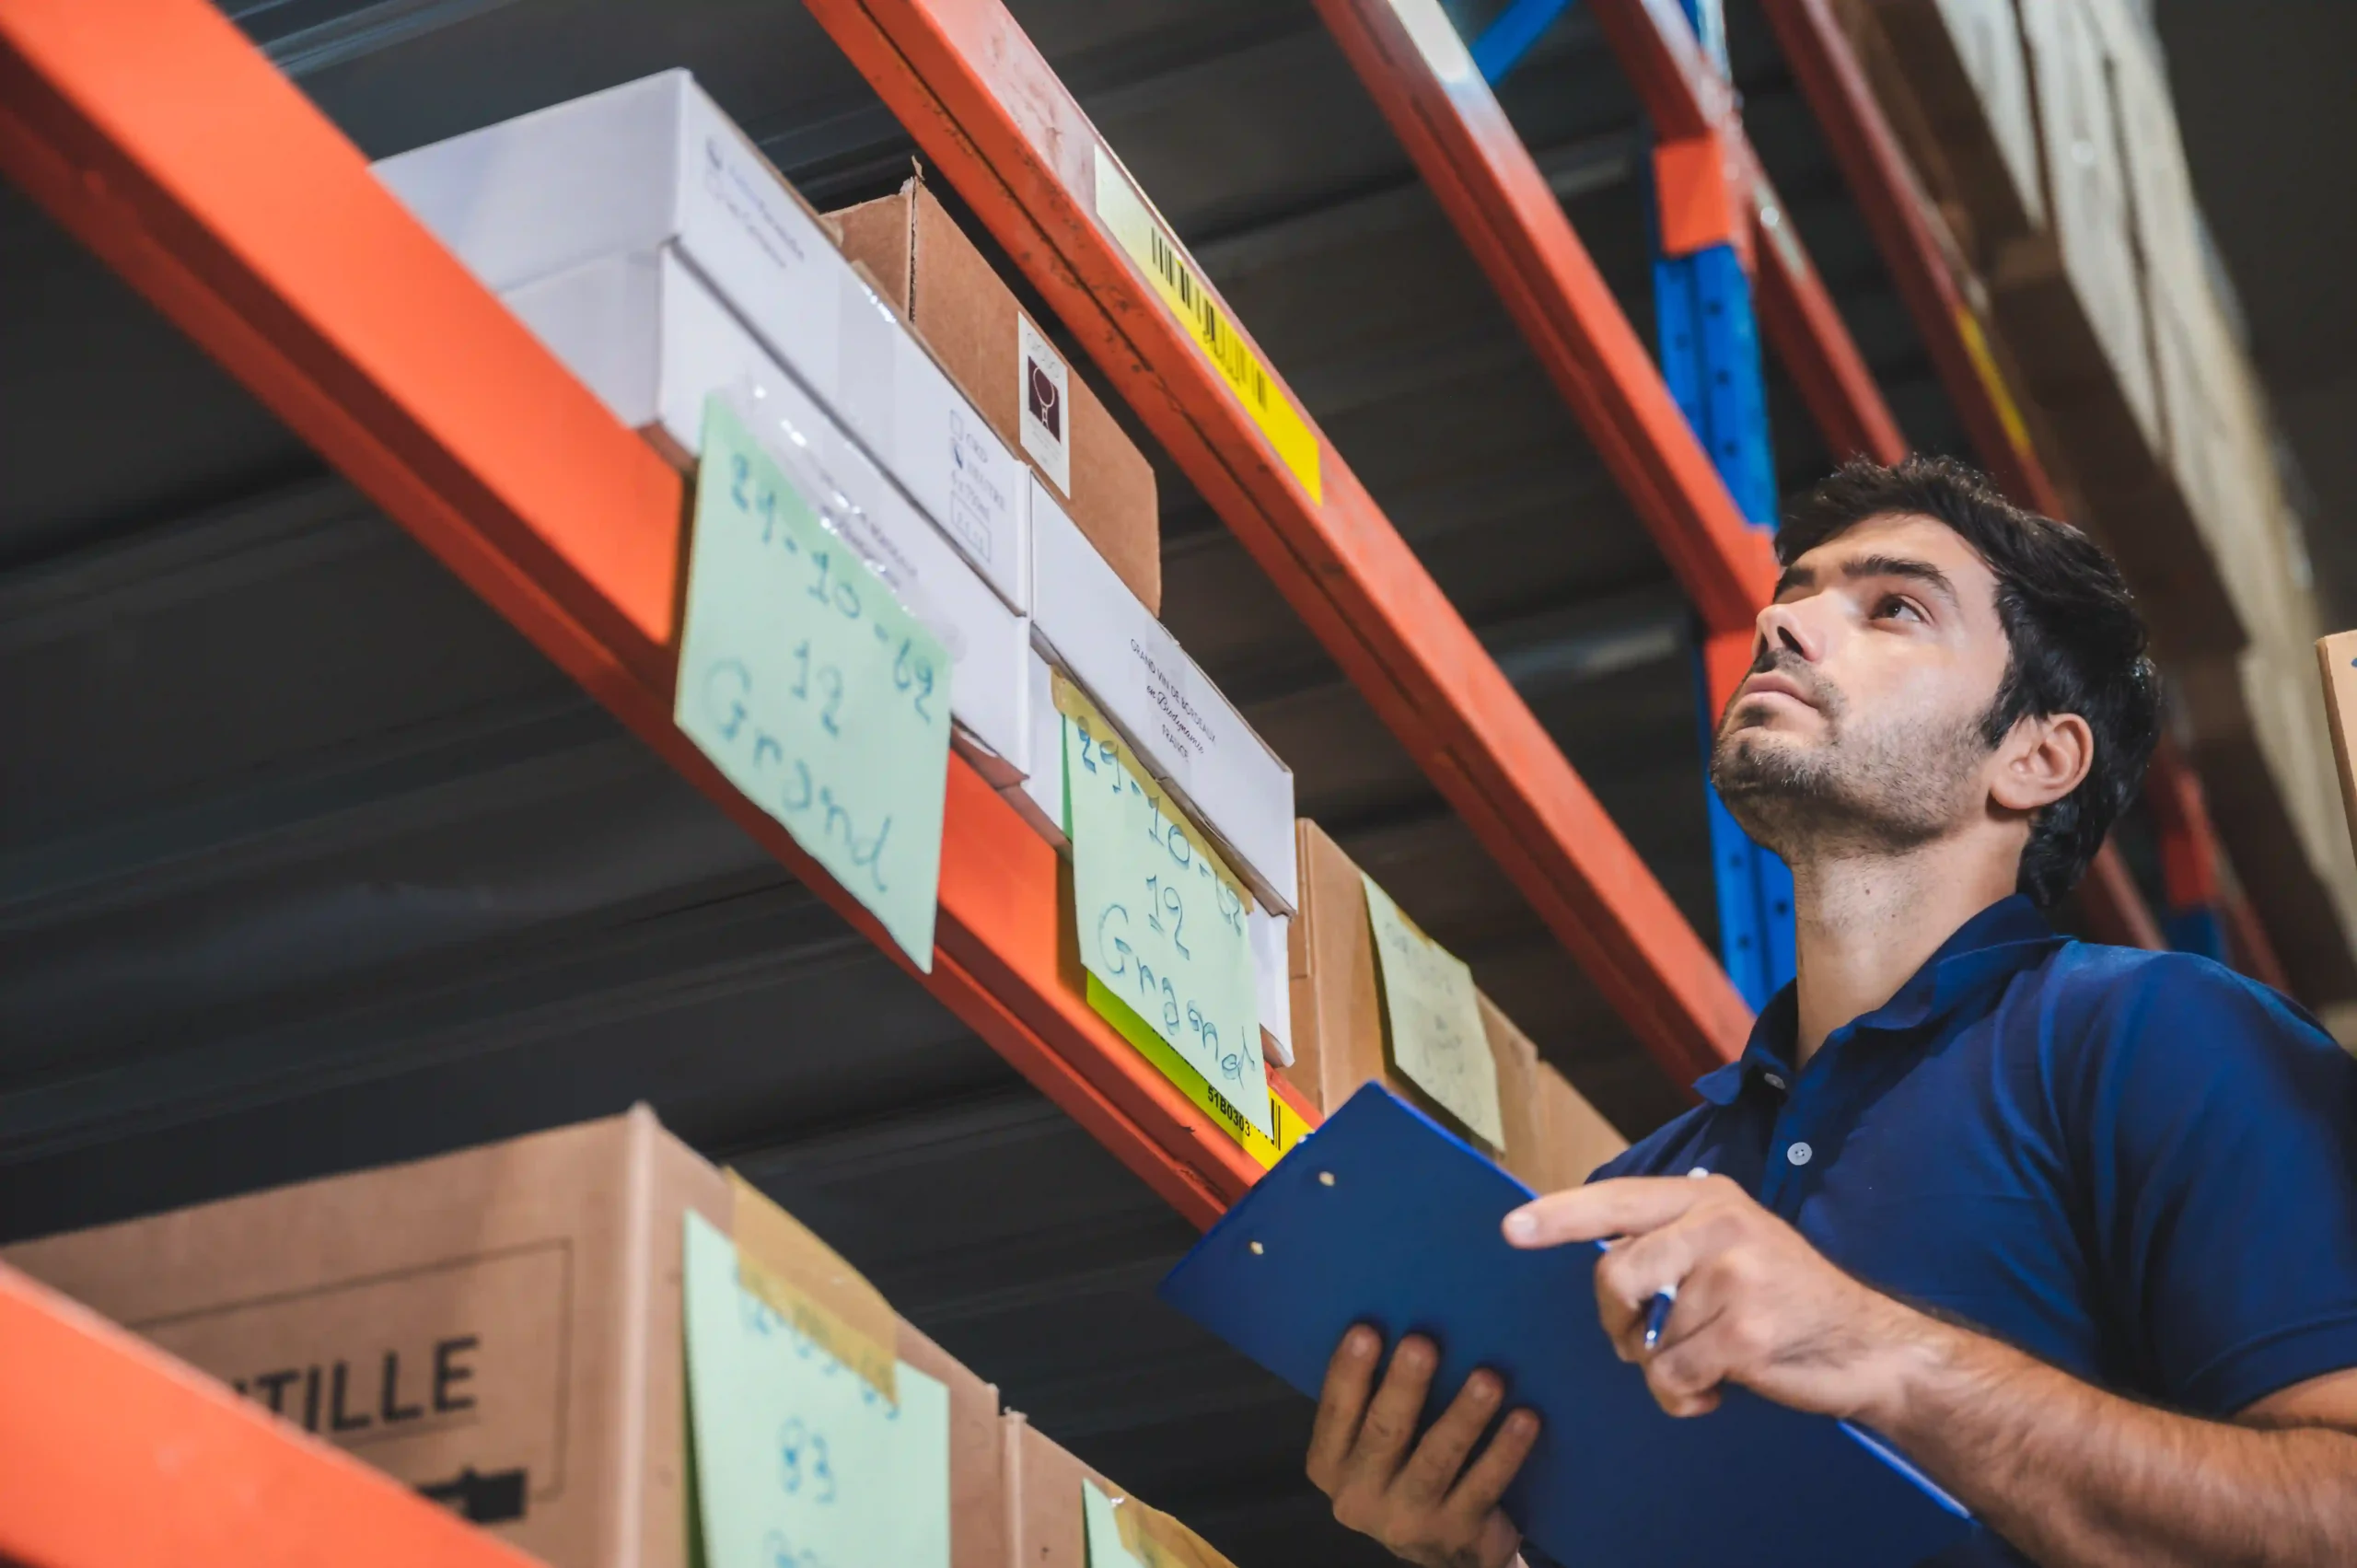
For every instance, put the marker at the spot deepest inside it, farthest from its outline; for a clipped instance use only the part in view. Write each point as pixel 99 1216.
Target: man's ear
pixel 2042 761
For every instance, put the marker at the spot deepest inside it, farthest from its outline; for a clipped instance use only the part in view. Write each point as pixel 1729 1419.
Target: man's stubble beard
pixel 1859 790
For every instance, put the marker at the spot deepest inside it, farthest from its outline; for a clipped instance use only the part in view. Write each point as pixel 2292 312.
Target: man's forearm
pixel 2077 1477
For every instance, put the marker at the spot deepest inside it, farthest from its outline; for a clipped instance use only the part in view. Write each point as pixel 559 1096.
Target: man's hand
pixel 1757 1305
pixel 1417 1504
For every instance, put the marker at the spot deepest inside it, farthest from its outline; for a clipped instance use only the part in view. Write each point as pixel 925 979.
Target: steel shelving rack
pixel 159 137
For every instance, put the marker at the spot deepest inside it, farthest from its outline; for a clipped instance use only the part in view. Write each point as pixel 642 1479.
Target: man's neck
pixel 1862 926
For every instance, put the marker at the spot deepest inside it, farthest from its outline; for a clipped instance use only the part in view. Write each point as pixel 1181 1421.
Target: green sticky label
pixel 810 687
pixel 798 1461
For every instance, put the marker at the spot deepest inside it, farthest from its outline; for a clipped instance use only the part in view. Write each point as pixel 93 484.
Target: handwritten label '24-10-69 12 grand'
pixel 1161 921
pixel 811 688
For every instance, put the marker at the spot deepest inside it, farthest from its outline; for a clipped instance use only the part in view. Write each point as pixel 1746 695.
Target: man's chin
pixel 1745 747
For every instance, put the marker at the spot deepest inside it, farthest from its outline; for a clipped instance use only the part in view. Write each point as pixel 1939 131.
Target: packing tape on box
pixel 794 450
pixel 1158 1540
pixel 806 1283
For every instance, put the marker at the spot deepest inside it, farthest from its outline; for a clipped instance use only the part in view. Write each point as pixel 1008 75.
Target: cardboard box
pixel 1578 1137
pixel 1272 978
pixel 1954 79
pixel 499 1328
pixel 1043 1484
pixel 2336 667
pixel 1520 1111
pixel 1339 1043
pixel 652 165
pixel 1191 737
pixel 2090 220
pixel 1043 1510
pixel 1039 798
pixel 928 268
pixel 651 340
pixel 907 411
pixel 647 164
pixel 2070 308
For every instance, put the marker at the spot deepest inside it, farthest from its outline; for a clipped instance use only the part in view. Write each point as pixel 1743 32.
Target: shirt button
pixel 1774 1082
pixel 1800 1153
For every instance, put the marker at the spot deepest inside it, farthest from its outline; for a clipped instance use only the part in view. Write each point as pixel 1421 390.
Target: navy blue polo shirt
pixel 2141 1168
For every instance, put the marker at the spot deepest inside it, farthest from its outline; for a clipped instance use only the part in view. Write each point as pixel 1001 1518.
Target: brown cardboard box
pixel 1043 1510
pixel 998 356
pixel 1954 79
pixel 1578 1138
pixel 499 1327
pixel 1520 1111
pixel 2337 665
pixel 1043 1498
pixel 2072 310
pixel 1338 1035
pixel 2096 344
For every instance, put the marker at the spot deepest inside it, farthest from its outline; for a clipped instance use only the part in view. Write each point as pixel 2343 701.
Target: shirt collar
pixel 1998 942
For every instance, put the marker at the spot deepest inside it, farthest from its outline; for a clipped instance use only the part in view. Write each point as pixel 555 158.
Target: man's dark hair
pixel 2076 643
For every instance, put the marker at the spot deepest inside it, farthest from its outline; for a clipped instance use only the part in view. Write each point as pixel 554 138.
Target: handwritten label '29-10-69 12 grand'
pixel 1161 921
pixel 810 687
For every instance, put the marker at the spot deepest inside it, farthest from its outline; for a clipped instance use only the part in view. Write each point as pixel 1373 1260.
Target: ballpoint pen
pixel 1657 1314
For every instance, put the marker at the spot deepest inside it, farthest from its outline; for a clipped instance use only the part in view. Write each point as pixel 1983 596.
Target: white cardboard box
pixel 1038 797
pixel 654 164
pixel 1271 983
pixel 636 167
pixel 1191 738
pixel 651 340
pixel 909 413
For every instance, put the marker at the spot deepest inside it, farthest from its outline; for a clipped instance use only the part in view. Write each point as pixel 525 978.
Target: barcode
pixel 1219 339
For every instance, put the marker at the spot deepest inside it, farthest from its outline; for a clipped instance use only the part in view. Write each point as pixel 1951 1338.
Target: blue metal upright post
pixel 1710 358
pixel 1709 345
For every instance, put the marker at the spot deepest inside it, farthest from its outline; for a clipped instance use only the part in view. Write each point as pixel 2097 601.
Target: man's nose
pixel 1785 629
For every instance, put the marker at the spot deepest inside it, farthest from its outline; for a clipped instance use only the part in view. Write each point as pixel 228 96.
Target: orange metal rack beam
pixel 113 1455
pixel 993 116
pixel 168 145
pixel 159 137
pixel 1421 75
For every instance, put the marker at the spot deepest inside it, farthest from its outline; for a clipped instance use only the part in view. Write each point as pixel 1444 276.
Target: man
pixel 2075 1226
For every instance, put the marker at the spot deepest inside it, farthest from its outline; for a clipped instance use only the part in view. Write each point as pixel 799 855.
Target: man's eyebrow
pixel 1796 577
pixel 1921 572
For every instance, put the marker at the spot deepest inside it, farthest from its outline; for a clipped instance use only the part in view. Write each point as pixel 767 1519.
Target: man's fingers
pixel 1391 1416
pixel 1434 1466
pixel 1629 1207
pixel 1486 1478
pixel 1687 1369
pixel 1498 1542
pixel 1341 1404
pixel 1637 1269
pixel 1624 1324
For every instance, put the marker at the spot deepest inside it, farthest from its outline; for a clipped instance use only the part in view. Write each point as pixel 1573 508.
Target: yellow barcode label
pixel 1266 1152
pixel 1137 230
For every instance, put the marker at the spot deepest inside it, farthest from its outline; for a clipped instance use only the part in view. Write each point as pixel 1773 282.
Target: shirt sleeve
pixel 2217 1145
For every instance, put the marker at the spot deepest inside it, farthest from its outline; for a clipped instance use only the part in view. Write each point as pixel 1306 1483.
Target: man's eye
pixel 1895 608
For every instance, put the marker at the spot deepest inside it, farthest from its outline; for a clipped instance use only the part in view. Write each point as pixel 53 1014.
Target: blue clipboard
pixel 1382 1216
